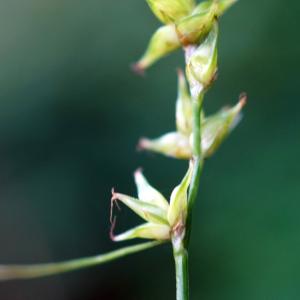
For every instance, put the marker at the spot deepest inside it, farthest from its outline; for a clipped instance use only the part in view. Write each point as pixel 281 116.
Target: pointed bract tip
pixel 181 79
pixel 138 69
pixel 143 144
pixel 243 99
pixel 180 73
pixel 138 175
pixel 138 171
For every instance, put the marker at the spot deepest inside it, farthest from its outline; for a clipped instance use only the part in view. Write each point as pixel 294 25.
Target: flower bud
pixel 169 11
pixel 173 144
pixel 178 202
pixel 164 41
pixel 217 127
pixel 214 129
pixel 145 231
pixel 184 107
pixel 201 65
pixel 192 29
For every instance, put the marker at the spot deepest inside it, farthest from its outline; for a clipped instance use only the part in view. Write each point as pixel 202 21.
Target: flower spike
pixel 161 216
pixel 185 25
pixel 215 130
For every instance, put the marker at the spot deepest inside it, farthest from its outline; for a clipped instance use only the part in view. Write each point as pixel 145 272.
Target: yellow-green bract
pixel 201 63
pixel 215 128
pixel 184 24
pixel 161 217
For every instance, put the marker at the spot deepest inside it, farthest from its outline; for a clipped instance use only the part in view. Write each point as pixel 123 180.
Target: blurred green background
pixel 71 112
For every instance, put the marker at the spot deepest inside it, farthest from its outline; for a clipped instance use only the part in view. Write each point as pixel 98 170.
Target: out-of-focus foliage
pixel 71 113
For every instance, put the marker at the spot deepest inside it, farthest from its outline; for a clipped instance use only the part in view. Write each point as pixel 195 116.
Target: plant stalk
pixel 198 166
pixel 181 267
pixel 8 272
pixel 181 244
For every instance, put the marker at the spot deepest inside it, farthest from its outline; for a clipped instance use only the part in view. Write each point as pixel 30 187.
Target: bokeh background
pixel 71 113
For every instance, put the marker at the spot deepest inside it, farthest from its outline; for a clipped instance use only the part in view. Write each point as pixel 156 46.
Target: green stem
pixel 197 107
pixel 180 245
pixel 181 267
pixel 194 187
pixel 42 270
pixel 198 166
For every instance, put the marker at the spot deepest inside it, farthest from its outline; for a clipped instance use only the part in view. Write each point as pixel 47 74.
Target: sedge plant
pixel 194 28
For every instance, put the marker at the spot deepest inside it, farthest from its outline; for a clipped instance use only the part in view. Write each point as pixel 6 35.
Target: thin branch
pixel 11 272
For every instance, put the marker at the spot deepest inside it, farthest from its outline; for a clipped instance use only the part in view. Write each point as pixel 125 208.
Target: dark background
pixel 71 113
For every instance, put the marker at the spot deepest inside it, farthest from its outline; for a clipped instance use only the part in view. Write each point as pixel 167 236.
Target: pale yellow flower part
pixel 162 218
